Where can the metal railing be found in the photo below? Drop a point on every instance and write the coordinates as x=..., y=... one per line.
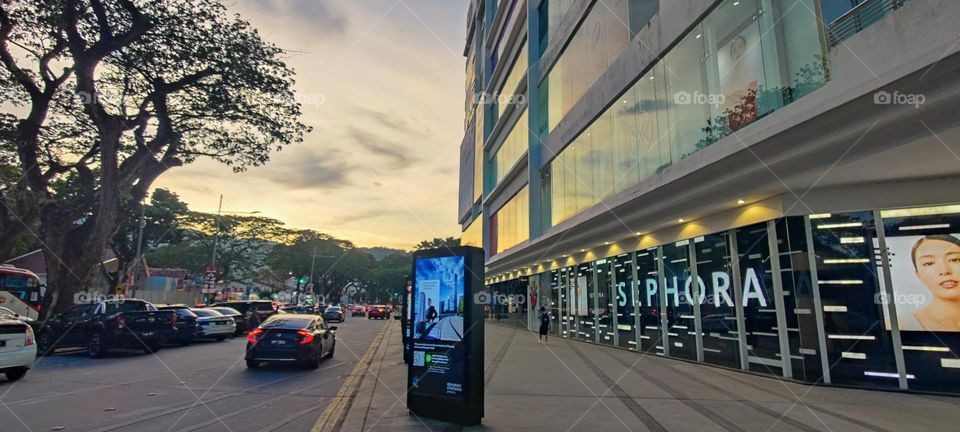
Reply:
x=860, y=17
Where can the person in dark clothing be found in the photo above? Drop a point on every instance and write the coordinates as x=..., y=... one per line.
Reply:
x=253, y=319
x=544, y=324
x=431, y=311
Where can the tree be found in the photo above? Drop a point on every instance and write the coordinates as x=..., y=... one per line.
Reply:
x=390, y=276
x=438, y=243
x=115, y=93
x=161, y=225
x=337, y=262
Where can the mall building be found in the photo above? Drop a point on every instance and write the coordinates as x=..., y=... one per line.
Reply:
x=770, y=186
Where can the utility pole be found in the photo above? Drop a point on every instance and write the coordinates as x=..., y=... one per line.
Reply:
x=138, y=259
x=216, y=233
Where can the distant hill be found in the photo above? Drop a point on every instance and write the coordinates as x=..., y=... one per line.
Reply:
x=379, y=252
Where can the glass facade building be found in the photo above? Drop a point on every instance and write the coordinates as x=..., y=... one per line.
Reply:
x=715, y=191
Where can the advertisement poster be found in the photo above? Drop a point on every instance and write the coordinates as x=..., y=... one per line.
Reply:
x=438, y=302
x=925, y=277
x=740, y=65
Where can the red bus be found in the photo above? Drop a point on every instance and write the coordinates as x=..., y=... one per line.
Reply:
x=20, y=291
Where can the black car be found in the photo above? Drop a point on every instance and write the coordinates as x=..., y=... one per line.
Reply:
x=184, y=326
x=238, y=318
x=264, y=308
x=301, y=309
x=333, y=313
x=291, y=338
x=100, y=327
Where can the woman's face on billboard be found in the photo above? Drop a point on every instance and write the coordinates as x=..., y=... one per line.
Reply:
x=938, y=267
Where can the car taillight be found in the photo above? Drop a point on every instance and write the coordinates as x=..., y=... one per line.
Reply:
x=254, y=335
x=307, y=337
x=29, y=335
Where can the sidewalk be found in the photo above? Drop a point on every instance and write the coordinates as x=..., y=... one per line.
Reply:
x=577, y=386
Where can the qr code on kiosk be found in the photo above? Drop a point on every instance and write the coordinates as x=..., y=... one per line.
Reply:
x=419, y=358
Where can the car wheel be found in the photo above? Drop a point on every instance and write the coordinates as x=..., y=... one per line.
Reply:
x=95, y=347
x=332, y=348
x=186, y=342
x=16, y=374
x=44, y=344
x=315, y=361
x=252, y=364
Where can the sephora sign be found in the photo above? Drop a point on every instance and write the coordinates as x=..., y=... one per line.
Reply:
x=717, y=289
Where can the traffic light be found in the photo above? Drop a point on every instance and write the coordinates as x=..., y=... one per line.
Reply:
x=303, y=280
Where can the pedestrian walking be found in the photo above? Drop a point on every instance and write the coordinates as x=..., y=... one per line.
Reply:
x=544, y=325
x=253, y=319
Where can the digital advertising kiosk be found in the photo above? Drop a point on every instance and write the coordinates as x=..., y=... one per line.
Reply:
x=445, y=371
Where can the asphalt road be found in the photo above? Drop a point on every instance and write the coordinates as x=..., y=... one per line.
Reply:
x=202, y=387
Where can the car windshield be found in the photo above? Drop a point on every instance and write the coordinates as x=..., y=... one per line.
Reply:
x=124, y=306
x=227, y=311
x=286, y=322
x=206, y=313
x=333, y=309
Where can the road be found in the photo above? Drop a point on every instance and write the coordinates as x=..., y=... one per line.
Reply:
x=202, y=387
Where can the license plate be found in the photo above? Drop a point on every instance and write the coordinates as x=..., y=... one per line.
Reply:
x=146, y=334
x=278, y=342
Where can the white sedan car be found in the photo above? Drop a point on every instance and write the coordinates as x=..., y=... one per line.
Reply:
x=18, y=347
x=214, y=325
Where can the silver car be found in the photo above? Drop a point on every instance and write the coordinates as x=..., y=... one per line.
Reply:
x=214, y=325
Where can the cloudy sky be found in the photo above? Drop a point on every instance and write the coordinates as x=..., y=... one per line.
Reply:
x=381, y=83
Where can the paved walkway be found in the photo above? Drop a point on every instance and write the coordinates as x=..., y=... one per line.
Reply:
x=567, y=386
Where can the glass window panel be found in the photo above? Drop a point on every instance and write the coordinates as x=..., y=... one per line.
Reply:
x=844, y=246
x=624, y=138
x=735, y=65
x=583, y=153
x=759, y=309
x=602, y=157
x=680, y=315
x=802, y=334
x=625, y=301
x=570, y=181
x=586, y=308
x=923, y=249
x=793, y=51
x=687, y=95
x=648, y=309
x=718, y=312
x=606, y=328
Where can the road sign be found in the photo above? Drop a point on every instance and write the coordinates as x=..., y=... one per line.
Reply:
x=210, y=281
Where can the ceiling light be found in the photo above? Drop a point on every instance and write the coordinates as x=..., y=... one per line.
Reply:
x=680, y=220
x=583, y=250
x=741, y=202
x=698, y=36
x=606, y=243
x=736, y=3
x=651, y=76
x=639, y=233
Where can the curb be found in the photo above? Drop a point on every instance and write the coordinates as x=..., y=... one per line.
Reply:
x=332, y=417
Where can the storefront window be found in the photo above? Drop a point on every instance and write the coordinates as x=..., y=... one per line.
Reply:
x=798, y=298
x=648, y=310
x=606, y=328
x=677, y=290
x=586, y=307
x=859, y=348
x=625, y=299
x=555, y=303
x=718, y=311
x=923, y=255
x=759, y=310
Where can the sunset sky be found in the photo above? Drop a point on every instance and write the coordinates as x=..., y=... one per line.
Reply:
x=381, y=83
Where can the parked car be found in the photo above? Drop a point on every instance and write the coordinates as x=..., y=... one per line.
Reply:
x=18, y=348
x=264, y=308
x=9, y=312
x=333, y=313
x=239, y=319
x=106, y=325
x=358, y=310
x=378, y=312
x=291, y=338
x=184, y=326
x=214, y=325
